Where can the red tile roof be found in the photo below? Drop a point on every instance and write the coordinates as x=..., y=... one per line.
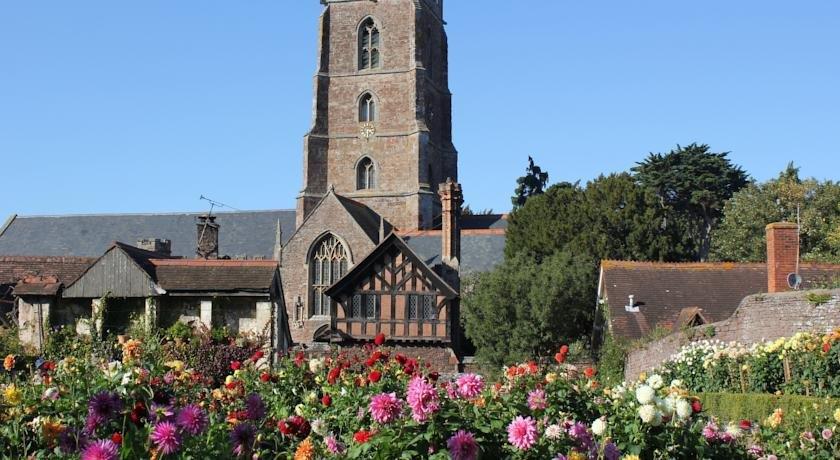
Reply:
x=66, y=269
x=663, y=290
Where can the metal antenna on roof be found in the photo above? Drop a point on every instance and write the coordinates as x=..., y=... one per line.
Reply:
x=218, y=204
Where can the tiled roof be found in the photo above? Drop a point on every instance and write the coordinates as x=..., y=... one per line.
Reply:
x=215, y=275
x=245, y=233
x=66, y=269
x=663, y=291
x=484, y=221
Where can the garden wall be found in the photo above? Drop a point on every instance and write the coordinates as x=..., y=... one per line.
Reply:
x=759, y=318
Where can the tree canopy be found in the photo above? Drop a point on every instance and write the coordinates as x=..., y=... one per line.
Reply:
x=531, y=184
x=536, y=305
x=693, y=183
x=740, y=237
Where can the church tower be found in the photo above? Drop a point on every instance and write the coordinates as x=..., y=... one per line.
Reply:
x=381, y=129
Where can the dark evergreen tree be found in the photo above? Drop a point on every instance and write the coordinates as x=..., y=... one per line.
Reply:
x=693, y=184
x=531, y=184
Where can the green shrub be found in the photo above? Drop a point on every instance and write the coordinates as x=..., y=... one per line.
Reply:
x=180, y=330
x=818, y=298
x=800, y=411
x=611, y=360
x=9, y=342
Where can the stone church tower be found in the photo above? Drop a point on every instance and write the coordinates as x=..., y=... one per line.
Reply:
x=381, y=133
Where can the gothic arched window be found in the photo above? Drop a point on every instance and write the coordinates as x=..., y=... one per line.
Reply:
x=365, y=174
x=368, y=45
x=328, y=264
x=367, y=109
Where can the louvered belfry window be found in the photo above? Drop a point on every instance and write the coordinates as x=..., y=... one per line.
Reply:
x=329, y=263
x=368, y=45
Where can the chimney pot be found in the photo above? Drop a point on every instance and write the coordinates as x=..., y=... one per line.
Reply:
x=782, y=254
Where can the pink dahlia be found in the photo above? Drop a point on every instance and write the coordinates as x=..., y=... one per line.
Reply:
x=422, y=398
x=462, y=446
x=522, y=432
x=470, y=385
x=536, y=400
x=192, y=419
x=101, y=450
x=385, y=408
x=166, y=438
x=335, y=446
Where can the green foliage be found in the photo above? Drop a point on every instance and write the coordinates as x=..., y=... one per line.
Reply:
x=818, y=298
x=64, y=341
x=180, y=330
x=613, y=354
x=740, y=236
x=693, y=184
x=611, y=218
x=733, y=407
x=10, y=342
x=538, y=306
x=531, y=184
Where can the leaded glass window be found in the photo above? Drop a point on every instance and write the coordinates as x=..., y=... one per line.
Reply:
x=413, y=307
x=329, y=263
x=429, y=310
x=368, y=45
x=365, y=175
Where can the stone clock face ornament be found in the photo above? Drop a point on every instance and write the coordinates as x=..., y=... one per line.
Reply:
x=367, y=131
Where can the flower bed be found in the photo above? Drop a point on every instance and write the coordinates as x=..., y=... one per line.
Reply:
x=360, y=403
x=805, y=364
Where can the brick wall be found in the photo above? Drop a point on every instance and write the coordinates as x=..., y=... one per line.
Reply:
x=412, y=146
x=759, y=318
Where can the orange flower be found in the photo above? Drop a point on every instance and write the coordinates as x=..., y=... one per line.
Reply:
x=9, y=363
x=589, y=372
x=305, y=451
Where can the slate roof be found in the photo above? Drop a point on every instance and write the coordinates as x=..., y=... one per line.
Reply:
x=663, y=291
x=242, y=233
x=480, y=251
x=215, y=275
x=484, y=221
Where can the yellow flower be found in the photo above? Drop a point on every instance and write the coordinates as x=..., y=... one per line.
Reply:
x=551, y=377
x=837, y=416
x=630, y=457
x=643, y=376
x=9, y=363
x=775, y=419
x=12, y=395
x=176, y=365
x=305, y=451
x=576, y=456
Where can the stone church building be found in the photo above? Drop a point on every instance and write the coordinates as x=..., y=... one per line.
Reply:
x=377, y=242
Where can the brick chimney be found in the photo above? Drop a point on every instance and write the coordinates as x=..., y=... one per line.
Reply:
x=207, y=237
x=162, y=247
x=451, y=199
x=782, y=255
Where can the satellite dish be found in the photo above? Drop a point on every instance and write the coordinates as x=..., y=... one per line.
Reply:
x=794, y=280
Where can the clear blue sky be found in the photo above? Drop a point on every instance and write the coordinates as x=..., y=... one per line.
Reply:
x=142, y=106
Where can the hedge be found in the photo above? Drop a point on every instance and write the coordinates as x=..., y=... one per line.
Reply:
x=800, y=411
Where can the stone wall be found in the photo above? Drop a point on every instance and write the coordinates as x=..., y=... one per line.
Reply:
x=759, y=318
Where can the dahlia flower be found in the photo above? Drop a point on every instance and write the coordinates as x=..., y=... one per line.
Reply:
x=599, y=426
x=422, y=398
x=522, y=432
x=101, y=450
x=192, y=419
x=645, y=394
x=254, y=407
x=242, y=437
x=334, y=445
x=470, y=385
x=462, y=446
x=103, y=406
x=385, y=408
x=536, y=400
x=166, y=438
